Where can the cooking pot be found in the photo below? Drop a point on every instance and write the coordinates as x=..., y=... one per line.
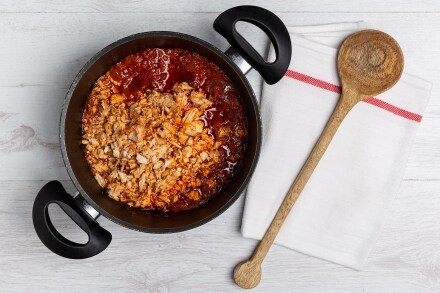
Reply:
x=90, y=201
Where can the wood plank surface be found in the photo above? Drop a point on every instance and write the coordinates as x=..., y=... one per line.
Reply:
x=202, y=6
x=405, y=259
x=37, y=82
x=43, y=44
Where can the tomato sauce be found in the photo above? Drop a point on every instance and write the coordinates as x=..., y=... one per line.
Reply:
x=160, y=69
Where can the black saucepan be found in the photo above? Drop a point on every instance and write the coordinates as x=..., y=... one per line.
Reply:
x=91, y=202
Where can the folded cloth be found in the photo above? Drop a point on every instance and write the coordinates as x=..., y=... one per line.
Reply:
x=340, y=212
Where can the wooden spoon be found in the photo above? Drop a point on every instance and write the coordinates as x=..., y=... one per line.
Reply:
x=369, y=63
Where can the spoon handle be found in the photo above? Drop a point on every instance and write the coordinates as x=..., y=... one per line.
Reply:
x=345, y=104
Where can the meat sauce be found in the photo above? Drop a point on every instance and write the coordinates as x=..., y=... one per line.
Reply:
x=159, y=69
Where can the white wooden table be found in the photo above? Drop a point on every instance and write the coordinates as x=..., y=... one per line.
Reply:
x=43, y=44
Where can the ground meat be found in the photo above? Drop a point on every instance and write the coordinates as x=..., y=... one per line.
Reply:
x=158, y=146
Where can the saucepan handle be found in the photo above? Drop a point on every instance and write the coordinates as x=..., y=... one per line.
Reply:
x=271, y=25
x=54, y=192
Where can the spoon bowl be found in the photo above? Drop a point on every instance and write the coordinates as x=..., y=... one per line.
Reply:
x=369, y=63
x=247, y=274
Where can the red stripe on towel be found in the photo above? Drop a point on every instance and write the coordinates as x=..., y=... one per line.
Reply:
x=393, y=109
x=337, y=89
x=313, y=81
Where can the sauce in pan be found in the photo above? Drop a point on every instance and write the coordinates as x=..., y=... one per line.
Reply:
x=161, y=70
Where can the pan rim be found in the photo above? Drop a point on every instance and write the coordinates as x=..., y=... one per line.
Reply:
x=64, y=151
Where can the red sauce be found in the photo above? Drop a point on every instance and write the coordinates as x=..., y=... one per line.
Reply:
x=160, y=69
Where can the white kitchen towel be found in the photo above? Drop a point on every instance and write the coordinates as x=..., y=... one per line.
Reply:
x=341, y=210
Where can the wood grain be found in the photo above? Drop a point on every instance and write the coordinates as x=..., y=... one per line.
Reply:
x=201, y=6
x=43, y=45
x=370, y=62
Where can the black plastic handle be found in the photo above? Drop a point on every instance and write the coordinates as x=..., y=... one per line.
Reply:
x=271, y=25
x=54, y=192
